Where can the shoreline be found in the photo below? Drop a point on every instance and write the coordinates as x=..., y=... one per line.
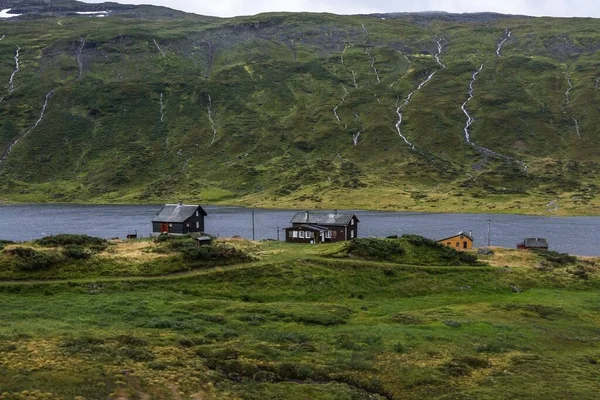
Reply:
x=316, y=207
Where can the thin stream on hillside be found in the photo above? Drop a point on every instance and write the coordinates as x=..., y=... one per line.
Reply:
x=370, y=54
x=78, y=56
x=482, y=150
x=507, y=34
x=11, y=84
x=212, y=121
x=162, y=108
x=41, y=117
x=400, y=107
x=158, y=48
x=568, y=101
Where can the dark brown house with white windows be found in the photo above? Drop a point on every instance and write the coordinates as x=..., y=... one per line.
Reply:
x=312, y=227
x=179, y=219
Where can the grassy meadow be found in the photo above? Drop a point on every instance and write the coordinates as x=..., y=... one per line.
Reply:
x=272, y=320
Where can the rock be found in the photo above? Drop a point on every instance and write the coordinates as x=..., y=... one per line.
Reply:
x=485, y=251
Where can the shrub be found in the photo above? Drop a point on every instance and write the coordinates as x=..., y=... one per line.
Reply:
x=379, y=249
x=399, y=347
x=77, y=252
x=422, y=241
x=131, y=340
x=65, y=239
x=213, y=252
x=452, y=323
x=28, y=259
x=557, y=259
x=85, y=344
x=3, y=243
x=137, y=354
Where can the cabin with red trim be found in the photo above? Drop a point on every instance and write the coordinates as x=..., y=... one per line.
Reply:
x=179, y=219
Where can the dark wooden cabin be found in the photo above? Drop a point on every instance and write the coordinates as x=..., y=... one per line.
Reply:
x=533, y=244
x=179, y=219
x=310, y=227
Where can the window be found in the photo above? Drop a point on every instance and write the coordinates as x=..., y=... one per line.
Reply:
x=352, y=221
x=308, y=235
x=301, y=234
x=457, y=244
x=464, y=245
x=197, y=225
x=197, y=213
x=170, y=225
x=290, y=234
x=328, y=235
x=351, y=234
x=295, y=234
x=449, y=243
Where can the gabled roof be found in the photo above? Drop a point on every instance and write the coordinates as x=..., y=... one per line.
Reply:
x=323, y=219
x=535, y=242
x=461, y=233
x=177, y=212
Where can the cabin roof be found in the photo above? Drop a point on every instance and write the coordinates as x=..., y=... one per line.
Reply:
x=177, y=212
x=461, y=233
x=323, y=219
x=535, y=242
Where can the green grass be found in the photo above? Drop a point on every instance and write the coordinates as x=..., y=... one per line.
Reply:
x=298, y=323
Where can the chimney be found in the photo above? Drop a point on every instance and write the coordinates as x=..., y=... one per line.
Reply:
x=306, y=215
x=471, y=234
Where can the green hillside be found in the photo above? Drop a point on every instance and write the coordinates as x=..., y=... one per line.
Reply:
x=295, y=322
x=147, y=104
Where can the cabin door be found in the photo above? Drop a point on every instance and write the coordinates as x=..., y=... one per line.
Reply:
x=164, y=228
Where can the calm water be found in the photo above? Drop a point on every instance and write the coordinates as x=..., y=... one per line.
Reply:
x=576, y=235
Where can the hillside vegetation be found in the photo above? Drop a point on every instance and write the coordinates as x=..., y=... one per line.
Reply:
x=295, y=322
x=310, y=110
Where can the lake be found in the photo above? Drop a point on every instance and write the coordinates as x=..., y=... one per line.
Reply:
x=575, y=235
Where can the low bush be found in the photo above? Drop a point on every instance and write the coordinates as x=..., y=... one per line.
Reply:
x=87, y=344
x=66, y=239
x=213, y=252
x=77, y=252
x=28, y=259
x=412, y=249
x=3, y=243
x=557, y=259
x=378, y=249
x=422, y=241
x=136, y=354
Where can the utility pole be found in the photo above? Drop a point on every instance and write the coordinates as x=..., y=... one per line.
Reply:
x=252, y=224
x=489, y=231
x=278, y=234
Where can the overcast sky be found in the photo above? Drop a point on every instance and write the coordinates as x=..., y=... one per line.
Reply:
x=228, y=8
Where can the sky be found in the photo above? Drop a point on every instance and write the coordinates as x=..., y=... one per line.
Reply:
x=229, y=8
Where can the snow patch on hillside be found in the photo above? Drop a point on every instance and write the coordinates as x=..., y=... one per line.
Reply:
x=98, y=14
x=5, y=14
